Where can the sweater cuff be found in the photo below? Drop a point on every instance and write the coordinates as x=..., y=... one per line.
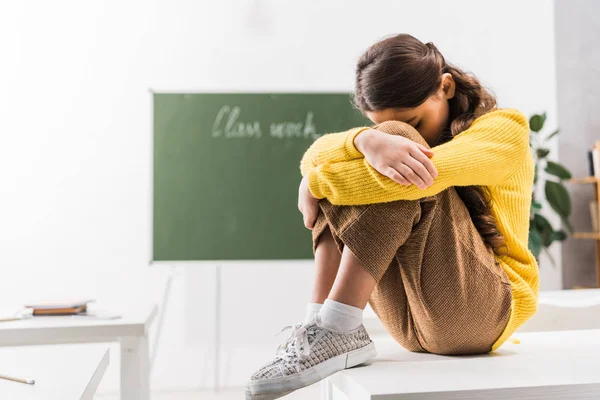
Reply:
x=351, y=150
x=313, y=184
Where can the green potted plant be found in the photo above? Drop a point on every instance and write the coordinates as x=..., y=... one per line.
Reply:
x=541, y=232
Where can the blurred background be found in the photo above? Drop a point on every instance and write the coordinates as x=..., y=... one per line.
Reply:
x=76, y=151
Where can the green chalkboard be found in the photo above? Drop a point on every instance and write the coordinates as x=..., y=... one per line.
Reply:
x=226, y=172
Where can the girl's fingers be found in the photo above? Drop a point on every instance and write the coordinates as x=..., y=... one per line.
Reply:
x=310, y=215
x=411, y=176
x=420, y=170
x=305, y=218
x=425, y=150
x=308, y=221
x=426, y=162
x=396, y=176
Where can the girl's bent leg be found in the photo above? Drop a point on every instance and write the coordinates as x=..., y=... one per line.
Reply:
x=327, y=263
x=353, y=284
x=313, y=351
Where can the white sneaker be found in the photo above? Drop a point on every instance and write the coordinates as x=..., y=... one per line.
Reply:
x=310, y=354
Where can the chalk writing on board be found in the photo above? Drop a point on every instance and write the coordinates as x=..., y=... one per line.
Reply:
x=228, y=125
x=228, y=116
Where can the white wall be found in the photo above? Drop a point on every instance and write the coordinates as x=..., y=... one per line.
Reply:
x=75, y=156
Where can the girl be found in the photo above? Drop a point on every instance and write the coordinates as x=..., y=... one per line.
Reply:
x=425, y=216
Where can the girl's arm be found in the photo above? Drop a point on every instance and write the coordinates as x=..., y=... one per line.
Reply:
x=332, y=147
x=486, y=154
x=412, y=158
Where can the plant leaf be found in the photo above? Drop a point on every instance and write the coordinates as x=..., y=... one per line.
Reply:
x=567, y=224
x=542, y=152
x=559, y=235
x=544, y=228
x=550, y=136
x=535, y=242
x=536, y=205
x=558, y=198
x=558, y=170
x=536, y=122
x=535, y=173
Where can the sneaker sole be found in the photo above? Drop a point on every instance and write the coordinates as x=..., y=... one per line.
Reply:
x=273, y=396
x=268, y=388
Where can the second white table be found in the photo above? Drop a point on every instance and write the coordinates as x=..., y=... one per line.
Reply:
x=70, y=372
x=131, y=331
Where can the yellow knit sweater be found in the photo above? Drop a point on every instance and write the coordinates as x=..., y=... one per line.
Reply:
x=493, y=152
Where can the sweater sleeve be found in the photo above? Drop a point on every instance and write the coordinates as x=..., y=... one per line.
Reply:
x=332, y=147
x=486, y=154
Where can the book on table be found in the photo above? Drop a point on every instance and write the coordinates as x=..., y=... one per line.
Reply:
x=61, y=307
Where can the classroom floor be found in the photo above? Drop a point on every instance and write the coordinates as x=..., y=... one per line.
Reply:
x=311, y=392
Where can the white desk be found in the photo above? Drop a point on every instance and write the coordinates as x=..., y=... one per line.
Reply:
x=61, y=372
x=131, y=330
x=546, y=365
x=558, y=310
x=565, y=310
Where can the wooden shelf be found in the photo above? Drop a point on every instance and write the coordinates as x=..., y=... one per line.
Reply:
x=595, y=181
x=587, y=179
x=587, y=235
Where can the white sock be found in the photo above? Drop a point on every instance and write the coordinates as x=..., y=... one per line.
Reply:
x=312, y=309
x=340, y=317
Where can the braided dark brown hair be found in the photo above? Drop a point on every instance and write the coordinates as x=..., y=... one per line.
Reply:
x=402, y=72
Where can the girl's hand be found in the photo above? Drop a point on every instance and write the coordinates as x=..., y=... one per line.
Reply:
x=397, y=157
x=307, y=204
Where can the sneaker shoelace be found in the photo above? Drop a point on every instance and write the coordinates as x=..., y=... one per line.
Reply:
x=296, y=346
x=293, y=329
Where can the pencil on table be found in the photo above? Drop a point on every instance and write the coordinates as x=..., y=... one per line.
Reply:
x=10, y=378
x=6, y=319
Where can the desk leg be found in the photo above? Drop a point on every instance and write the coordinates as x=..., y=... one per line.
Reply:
x=332, y=392
x=135, y=368
x=326, y=389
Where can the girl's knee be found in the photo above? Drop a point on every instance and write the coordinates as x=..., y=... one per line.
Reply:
x=399, y=128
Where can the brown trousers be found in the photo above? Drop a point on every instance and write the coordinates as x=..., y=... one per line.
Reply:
x=439, y=288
